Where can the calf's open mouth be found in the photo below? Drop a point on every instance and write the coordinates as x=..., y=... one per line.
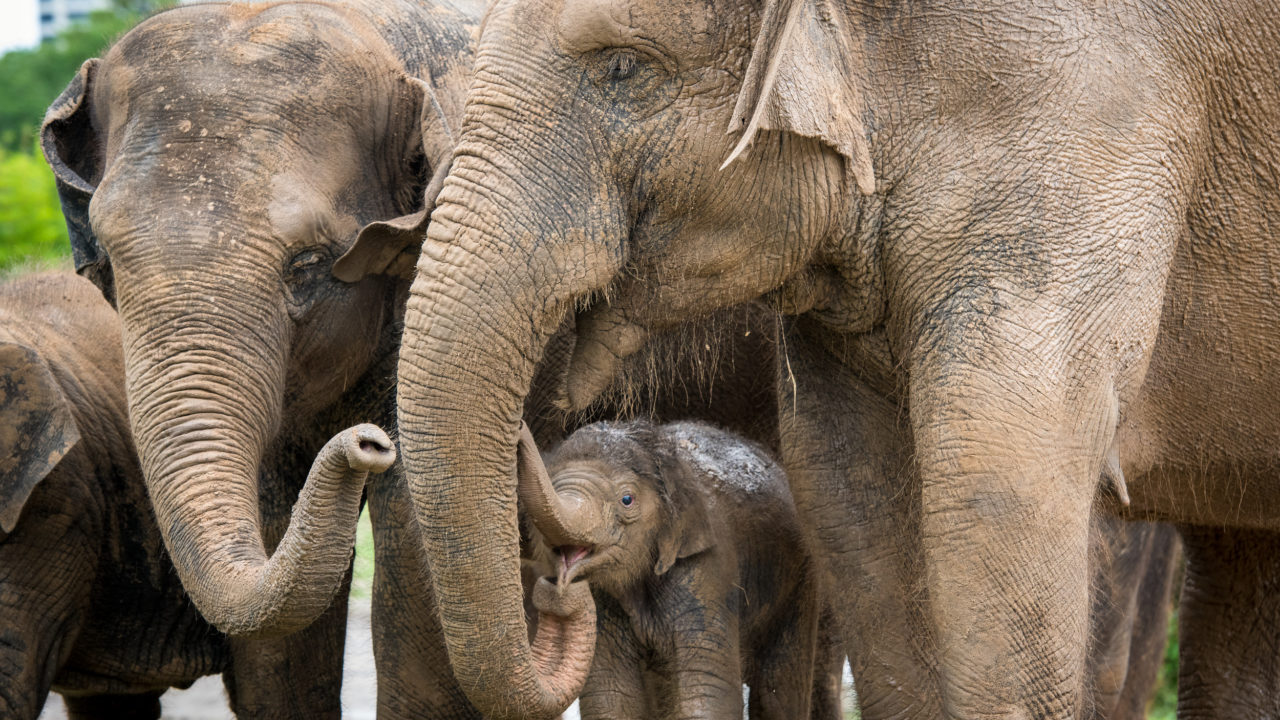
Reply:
x=571, y=559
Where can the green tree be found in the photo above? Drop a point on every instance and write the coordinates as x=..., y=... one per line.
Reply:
x=31, y=79
x=31, y=226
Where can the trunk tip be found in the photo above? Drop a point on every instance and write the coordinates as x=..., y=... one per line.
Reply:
x=368, y=448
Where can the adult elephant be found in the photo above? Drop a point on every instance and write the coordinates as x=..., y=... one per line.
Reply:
x=216, y=167
x=1028, y=253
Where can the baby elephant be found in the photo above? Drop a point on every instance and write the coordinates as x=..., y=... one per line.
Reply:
x=690, y=541
x=90, y=604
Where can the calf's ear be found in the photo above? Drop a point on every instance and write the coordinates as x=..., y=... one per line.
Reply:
x=74, y=151
x=803, y=78
x=688, y=533
x=36, y=428
x=390, y=247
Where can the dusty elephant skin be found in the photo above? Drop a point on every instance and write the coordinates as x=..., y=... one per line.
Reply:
x=246, y=182
x=691, y=545
x=91, y=604
x=1027, y=253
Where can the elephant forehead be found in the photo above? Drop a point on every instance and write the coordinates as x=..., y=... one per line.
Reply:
x=592, y=24
x=583, y=472
x=586, y=25
x=303, y=211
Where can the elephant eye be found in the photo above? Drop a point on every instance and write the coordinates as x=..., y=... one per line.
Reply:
x=627, y=499
x=622, y=64
x=303, y=263
x=306, y=274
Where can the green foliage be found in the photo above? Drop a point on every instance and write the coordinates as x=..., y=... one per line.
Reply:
x=31, y=79
x=31, y=226
x=1165, y=704
x=362, y=573
x=32, y=231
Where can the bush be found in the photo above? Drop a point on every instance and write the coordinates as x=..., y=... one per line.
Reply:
x=32, y=230
x=31, y=79
x=1164, y=706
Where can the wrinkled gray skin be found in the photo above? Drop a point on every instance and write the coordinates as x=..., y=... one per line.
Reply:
x=1028, y=252
x=213, y=167
x=691, y=544
x=92, y=606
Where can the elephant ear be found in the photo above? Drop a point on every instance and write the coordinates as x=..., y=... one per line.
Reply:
x=36, y=428
x=687, y=532
x=74, y=151
x=803, y=78
x=390, y=247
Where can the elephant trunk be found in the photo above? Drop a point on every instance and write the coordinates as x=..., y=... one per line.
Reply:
x=205, y=380
x=560, y=520
x=491, y=290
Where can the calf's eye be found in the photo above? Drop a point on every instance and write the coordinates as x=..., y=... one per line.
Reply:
x=627, y=499
x=622, y=65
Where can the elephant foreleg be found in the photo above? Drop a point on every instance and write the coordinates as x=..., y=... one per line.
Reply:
x=828, y=671
x=615, y=687
x=46, y=578
x=1009, y=462
x=1133, y=575
x=706, y=668
x=295, y=677
x=784, y=675
x=1229, y=622
x=848, y=462
x=414, y=676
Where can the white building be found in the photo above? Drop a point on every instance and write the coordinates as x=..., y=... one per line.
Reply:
x=56, y=15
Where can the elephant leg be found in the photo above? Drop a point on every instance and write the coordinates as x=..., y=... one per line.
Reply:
x=414, y=676
x=143, y=706
x=294, y=677
x=848, y=462
x=615, y=686
x=47, y=568
x=1009, y=459
x=784, y=672
x=704, y=671
x=1229, y=625
x=1151, y=600
x=1132, y=574
x=828, y=671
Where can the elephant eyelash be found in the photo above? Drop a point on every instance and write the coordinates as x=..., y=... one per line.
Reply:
x=622, y=65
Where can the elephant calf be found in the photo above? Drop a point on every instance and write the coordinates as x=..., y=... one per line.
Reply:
x=90, y=602
x=689, y=538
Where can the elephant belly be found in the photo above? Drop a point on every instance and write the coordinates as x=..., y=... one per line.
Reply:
x=1201, y=442
x=160, y=642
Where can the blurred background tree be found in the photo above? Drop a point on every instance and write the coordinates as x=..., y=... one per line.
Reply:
x=31, y=225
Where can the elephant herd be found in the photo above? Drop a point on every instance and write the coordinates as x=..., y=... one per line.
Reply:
x=997, y=286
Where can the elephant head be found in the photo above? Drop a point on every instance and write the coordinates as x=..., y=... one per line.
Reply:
x=615, y=506
x=241, y=182
x=634, y=163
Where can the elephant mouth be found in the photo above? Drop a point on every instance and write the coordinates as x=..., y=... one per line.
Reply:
x=572, y=558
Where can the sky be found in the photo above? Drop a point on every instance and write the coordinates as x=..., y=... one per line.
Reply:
x=18, y=24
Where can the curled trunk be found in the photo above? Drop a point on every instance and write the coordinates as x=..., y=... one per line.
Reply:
x=205, y=386
x=483, y=307
x=559, y=520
